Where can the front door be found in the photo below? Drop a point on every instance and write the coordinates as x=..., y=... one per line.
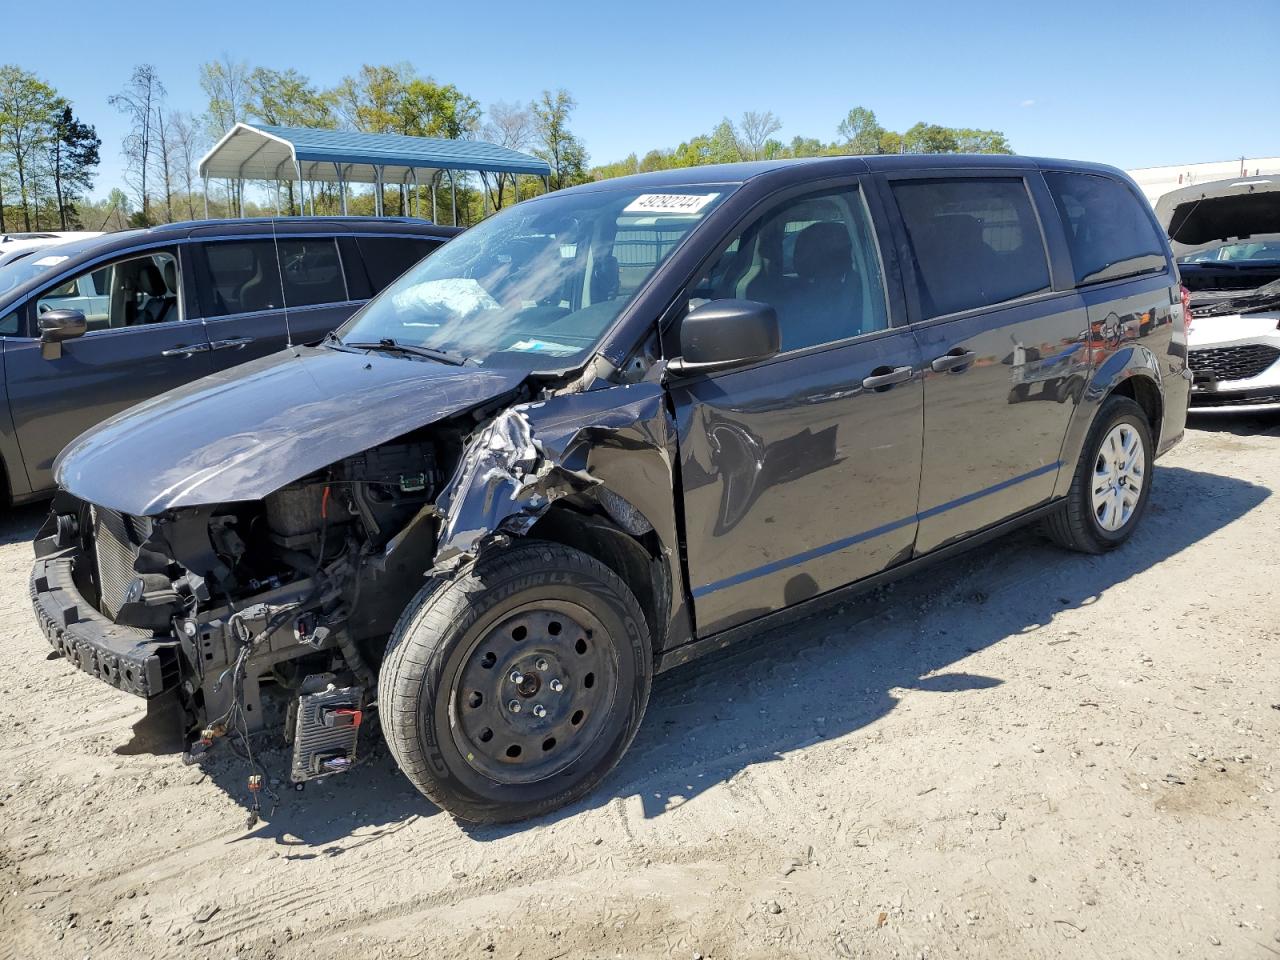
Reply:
x=1006, y=354
x=139, y=343
x=260, y=295
x=800, y=473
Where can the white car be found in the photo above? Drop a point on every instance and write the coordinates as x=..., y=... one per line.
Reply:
x=18, y=246
x=1226, y=236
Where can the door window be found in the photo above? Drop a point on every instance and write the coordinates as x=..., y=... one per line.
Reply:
x=1108, y=231
x=976, y=242
x=9, y=324
x=131, y=292
x=385, y=258
x=814, y=260
x=244, y=277
x=312, y=271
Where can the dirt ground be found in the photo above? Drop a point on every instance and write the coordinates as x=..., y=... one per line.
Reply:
x=1022, y=753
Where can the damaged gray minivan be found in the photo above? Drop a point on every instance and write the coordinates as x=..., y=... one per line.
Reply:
x=606, y=431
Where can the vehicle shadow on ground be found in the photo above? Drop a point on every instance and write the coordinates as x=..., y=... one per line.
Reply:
x=1240, y=424
x=822, y=678
x=21, y=523
x=836, y=672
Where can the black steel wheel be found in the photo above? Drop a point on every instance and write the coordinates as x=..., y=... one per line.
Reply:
x=515, y=687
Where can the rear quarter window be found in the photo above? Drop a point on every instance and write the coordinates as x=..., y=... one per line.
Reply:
x=385, y=258
x=976, y=241
x=1109, y=233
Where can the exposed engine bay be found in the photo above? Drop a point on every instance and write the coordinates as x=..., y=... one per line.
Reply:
x=300, y=588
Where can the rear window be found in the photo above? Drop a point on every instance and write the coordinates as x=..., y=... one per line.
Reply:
x=312, y=272
x=1110, y=234
x=976, y=241
x=244, y=276
x=385, y=258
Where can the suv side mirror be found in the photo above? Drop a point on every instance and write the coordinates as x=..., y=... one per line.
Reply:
x=726, y=333
x=56, y=326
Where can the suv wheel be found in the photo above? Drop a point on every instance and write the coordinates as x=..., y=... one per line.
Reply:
x=1112, y=482
x=514, y=688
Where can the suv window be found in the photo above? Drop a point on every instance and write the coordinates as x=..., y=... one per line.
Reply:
x=386, y=258
x=130, y=292
x=1108, y=231
x=813, y=259
x=244, y=277
x=976, y=241
x=312, y=271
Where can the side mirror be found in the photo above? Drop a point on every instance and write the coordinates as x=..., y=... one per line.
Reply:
x=56, y=326
x=726, y=333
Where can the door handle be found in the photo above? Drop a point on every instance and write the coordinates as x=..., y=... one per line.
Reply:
x=234, y=343
x=878, y=381
x=185, y=351
x=953, y=360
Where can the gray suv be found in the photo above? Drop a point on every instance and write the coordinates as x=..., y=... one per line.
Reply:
x=91, y=327
x=609, y=430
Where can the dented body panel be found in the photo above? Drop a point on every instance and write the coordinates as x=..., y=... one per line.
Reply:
x=244, y=433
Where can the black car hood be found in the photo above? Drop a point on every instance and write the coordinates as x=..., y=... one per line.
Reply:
x=240, y=434
x=1200, y=216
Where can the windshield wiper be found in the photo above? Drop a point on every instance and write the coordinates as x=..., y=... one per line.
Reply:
x=389, y=345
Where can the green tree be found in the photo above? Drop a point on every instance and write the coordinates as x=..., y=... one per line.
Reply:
x=930, y=138
x=556, y=144
x=981, y=141
x=73, y=155
x=860, y=131
x=287, y=98
x=27, y=107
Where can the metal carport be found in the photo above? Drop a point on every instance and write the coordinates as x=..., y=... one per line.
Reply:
x=263, y=152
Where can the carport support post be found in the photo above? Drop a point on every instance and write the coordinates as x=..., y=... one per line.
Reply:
x=205, y=178
x=302, y=187
x=342, y=187
x=435, y=217
x=377, y=185
x=453, y=192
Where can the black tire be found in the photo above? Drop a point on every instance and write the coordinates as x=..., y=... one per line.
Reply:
x=460, y=628
x=1076, y=525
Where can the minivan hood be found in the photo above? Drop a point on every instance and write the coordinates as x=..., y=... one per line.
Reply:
x=242, y=433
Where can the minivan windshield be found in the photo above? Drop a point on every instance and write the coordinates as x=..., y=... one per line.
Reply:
x=536, y=285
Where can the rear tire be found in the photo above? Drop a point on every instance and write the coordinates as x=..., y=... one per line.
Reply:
x=1102, y=507
x=514, y=688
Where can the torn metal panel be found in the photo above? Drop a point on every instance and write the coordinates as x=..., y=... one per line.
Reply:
x=615, y=445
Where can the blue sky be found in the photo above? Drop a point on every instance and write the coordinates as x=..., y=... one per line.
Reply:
x=1128, y=83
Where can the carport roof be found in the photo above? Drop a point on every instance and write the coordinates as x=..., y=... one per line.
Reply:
x=264, y=152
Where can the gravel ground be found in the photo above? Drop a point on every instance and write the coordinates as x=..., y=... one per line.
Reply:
x=1023, y=753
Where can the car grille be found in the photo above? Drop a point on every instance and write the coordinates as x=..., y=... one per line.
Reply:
x=116, y=539
x=1234, y=363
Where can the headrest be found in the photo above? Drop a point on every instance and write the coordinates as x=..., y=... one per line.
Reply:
x=823, y=251
x=148, y=280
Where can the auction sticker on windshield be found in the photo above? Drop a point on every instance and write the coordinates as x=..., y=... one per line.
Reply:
x=669, y=202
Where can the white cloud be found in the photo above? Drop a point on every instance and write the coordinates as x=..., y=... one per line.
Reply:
x=1027, y=103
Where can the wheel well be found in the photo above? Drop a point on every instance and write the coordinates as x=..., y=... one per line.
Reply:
x=637, y=560
x=1142, y=391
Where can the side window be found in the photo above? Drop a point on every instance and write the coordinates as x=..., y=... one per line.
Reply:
x=814, y=260
x=131, y=292
x=312, y=271
x=385, y=258
x=1108, y=231
x=9, y=325
x=976, y=242
x=244, y=277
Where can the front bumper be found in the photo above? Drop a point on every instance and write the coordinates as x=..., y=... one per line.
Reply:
x=1212, y=339
x=121, y=656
